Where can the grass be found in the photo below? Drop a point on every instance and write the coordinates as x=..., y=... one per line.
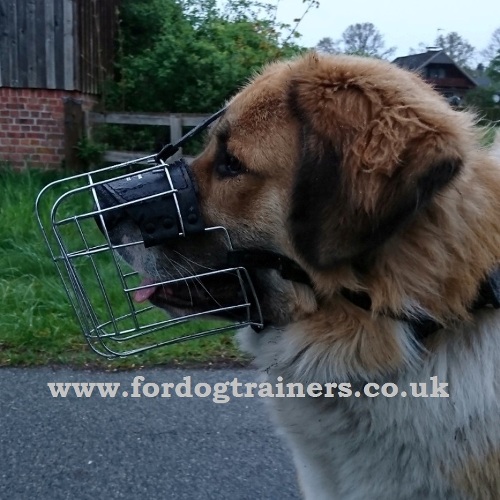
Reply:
x=489, y=134
x=37, y=323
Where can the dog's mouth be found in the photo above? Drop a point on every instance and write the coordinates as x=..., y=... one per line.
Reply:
x=222, y=294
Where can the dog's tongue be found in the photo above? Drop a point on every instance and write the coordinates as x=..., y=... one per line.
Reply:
x=143, y=294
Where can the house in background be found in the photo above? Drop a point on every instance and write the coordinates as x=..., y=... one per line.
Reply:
x=438, y=69
x=54, y=56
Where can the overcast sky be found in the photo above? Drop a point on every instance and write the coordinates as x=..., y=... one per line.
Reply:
x=404, y=24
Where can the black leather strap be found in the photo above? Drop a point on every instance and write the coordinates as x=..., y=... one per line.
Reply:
x=170, y=149
x=422, y=327
x=489, y=291
x=264, y=259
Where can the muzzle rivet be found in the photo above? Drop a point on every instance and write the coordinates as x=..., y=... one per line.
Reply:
x=150, y=228
x=192, y=218
x=168, y=223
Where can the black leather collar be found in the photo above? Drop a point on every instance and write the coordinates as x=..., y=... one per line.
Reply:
x=488, y=297
x=264, y=259
x=488, y=292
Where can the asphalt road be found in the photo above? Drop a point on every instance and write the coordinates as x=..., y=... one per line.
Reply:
x=136, y=448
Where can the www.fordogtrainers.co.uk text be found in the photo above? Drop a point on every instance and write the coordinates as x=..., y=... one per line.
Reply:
x=223, y=392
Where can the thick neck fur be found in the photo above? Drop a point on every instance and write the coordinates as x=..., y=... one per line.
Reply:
x=405, y=448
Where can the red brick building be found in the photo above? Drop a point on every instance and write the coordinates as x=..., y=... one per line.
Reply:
x=54, y=54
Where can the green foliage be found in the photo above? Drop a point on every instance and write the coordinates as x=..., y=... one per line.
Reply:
x=190, y=55
x=90, y=152
x=485, y=100
x=493, y=70
x=481, y=101
x=182, y=56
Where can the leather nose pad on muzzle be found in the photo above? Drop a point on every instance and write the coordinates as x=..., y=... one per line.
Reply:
x=162, y=203
x=106, y=221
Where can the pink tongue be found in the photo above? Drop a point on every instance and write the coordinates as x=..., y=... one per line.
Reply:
x=143, y=294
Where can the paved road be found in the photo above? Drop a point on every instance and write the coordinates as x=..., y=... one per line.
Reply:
x=136, y=448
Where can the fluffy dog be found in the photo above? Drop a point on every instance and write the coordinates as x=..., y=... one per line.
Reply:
x=367, y=179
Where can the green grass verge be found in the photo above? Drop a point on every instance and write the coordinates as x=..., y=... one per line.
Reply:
x=489, y=134
x=37, y=323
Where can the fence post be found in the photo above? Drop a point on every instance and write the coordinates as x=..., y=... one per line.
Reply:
x=74, y=123
x=176, y=132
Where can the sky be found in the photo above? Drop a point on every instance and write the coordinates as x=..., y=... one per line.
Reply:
x=403, y=24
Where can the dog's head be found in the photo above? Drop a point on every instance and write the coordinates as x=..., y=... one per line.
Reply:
x=324, y=160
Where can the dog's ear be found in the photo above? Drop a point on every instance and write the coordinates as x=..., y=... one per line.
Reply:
x=369, y=164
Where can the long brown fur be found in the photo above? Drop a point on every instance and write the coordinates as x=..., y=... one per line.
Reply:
x=439, y=258
x=363, y=175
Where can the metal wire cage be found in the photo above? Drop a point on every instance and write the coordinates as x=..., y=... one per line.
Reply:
x=100, y=284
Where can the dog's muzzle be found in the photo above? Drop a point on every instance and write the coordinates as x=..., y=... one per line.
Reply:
x=82, y=218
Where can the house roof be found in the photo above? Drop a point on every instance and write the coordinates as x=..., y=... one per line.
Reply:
x=416, y=62
x=419, y=61
x=483, y=80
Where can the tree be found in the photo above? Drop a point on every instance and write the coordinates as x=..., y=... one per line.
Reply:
x=328, y=46
x=493, y=70
x=490, y=52
x=459, y=49
x=190, y=56
x=362, y=39
x=484, y=100
x=481, y=100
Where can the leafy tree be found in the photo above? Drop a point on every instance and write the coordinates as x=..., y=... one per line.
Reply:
x=481, y=101
x=484, y=100
x=361, y=39
x=493, y=70
x=191, y=55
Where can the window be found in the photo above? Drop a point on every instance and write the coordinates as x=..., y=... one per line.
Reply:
x=435, y=72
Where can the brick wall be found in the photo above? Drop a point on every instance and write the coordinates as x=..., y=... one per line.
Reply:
x=32, y=125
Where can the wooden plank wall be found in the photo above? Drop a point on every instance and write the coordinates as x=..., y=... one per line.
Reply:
x=57, y=44
x=95, y=41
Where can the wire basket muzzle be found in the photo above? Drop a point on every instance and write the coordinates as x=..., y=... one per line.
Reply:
x=161, y=201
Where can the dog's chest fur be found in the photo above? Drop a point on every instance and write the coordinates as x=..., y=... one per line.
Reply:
x=398, y=448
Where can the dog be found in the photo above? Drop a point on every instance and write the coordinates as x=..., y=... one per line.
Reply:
x=363, y=177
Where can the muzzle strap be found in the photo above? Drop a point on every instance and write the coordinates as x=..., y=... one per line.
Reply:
x=264, y=259
x=170, y=149
x=422, y=327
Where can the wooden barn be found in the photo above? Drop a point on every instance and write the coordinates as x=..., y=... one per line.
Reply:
x=54, y=56
x=439, y=69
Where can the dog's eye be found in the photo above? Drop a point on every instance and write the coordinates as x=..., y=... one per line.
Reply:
x=230, y=167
